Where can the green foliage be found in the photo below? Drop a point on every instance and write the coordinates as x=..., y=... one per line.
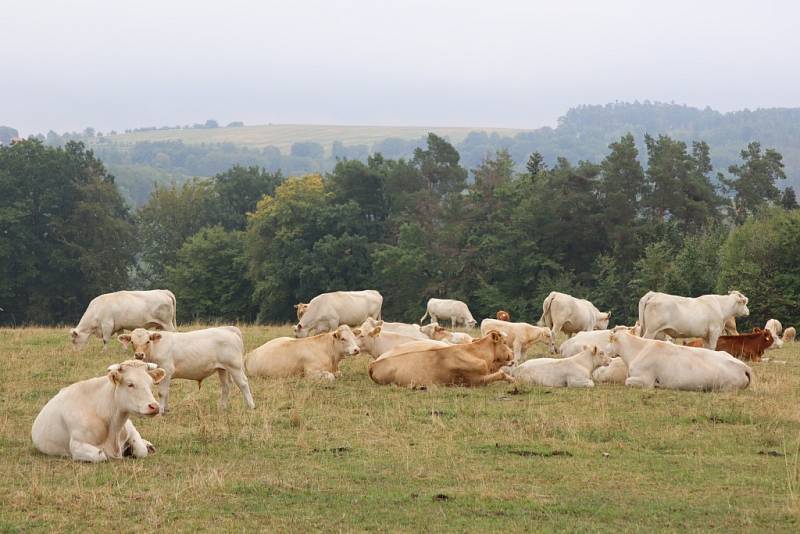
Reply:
x=753, y=182
x=237, y=191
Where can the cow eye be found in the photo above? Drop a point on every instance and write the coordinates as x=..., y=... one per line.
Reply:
x=131, y=385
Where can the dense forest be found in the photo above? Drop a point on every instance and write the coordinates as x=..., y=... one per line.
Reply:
x=583, y=133
x=249, y=243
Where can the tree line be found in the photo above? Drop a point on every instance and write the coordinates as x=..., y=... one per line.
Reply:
x=249, y=243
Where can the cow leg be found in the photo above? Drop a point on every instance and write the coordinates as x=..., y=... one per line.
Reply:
x=140, y=447
x=553, y=333
x=163, y=393
x=640, y=381
x=224, y=386
x=480, y=380
x=320, y=375
x=106, y=331
x=711, y=341
x=85, y=452
x=244, y=386
x=580, y=383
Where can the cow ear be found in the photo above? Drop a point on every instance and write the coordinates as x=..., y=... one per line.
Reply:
x=157, y=375
x=439, y=328
x=594, y=350
x=155, y=336
x=356, y=331
x=296, y=306
x=114, y=373
x=337, y=335
x=73, y=333
x=124, y=339
x=375, y=331
x=496, y=337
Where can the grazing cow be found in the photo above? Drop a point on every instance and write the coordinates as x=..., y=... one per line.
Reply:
x=565, y=313
x=377, y=341
x=599, y=338
x=326, y=312
x=573, y=372
x=471, y=364
x=193, y=356
x=454, y=310
x=747, y=346
x=300, y=308
x=440, y=333
x=616, y=372
x=90, y=420
x=652, y=363
x=729, y=328
x=696, y=343
x=518, y=336
x=409, y=330
x=661, y=314
x=503, y=315
x=110, y=313
x=775, y=326
x=789, y=335
x=315, y=357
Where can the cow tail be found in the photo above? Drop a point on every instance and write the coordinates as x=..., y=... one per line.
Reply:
x=749, y=378
x=423, y=317
x=174, y=310
x=642, y=305
x=544, y=320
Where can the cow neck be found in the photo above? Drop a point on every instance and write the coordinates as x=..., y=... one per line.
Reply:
x=335, y=358
x=630, y=346
x=482, y=342
x=114, y=418
x=584, y=359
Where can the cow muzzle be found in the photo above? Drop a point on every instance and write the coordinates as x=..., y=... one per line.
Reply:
x=138, y=355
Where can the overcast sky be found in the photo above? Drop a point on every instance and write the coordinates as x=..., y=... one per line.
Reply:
x=116, y=64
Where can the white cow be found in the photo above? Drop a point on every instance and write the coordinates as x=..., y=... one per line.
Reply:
x=661, y=314
x=518, y=336
x=653, y=363
x=775, y=326
x=314, y=357
x=565, y=313
x=454, y=310
x=90, y=420
x=194, y=356
x=616, y=372
x=405, y=329
x=377, y=341
x=125, y=310
x=573, y=372
x=439, y=333
x=327, y=311
x=575, y=344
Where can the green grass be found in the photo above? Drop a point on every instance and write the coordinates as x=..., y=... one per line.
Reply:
x=351, y=455
x=284, y=135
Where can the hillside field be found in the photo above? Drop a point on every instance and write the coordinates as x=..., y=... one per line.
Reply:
x=283, y=136
x=354, y=456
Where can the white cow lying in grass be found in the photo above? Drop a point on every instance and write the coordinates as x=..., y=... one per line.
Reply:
x=439, y=333
x=314, y=357
x=518, y=336
x=376, y=341
x=405, y=329
x=616, y=372
x=653, y=363
x=90, y=420
x=194, y=356
x=572, y=372
x=575, y=344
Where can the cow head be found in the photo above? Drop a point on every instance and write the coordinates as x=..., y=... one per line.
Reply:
x=599, y=358
x=471, y=323
x=365, y=338
x=434, y=331
x=142, y=341
x=602, y=321
x=503, y=315
x=79, y=339
x=768, y=338
x=740, y=304
x=301, y=309
x=345, y=341
x=300, y=331
x=503, y=355
x=133, y=380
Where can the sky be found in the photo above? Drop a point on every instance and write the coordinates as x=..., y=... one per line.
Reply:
x=119, y=64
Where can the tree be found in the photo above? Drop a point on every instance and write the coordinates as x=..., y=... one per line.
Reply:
x=237, y=191
x=789, y=199
x=352, y=180
x=535, y=164
x=753, y=182
x=438, y=165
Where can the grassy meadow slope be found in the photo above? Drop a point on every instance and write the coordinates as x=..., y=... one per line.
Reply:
x=351, y=455
x=283, y=136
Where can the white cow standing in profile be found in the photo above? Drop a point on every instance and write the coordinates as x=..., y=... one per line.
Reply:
x=90, y=420
x=565, y=313
x=326, y=312
x=111, y=313
x=454, y=310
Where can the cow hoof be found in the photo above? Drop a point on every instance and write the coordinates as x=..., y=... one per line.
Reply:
x=151, y=449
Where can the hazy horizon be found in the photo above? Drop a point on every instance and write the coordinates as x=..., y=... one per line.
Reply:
x=508, y=64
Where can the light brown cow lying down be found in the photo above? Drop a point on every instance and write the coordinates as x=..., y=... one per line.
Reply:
x=469, y=364
x=313, y=357
x=439, y=333
x=376, y=342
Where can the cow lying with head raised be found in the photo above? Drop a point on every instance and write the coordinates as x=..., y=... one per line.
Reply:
x=573, y=372
x=90, y=420
x=440, y=333
x=747, y=346
x=405, y=329
x=518, y=336
x=471, y=364
x=616, y=372
x=377, y=342
x=194, y=356
x=652, y=363
x=315, y=357
x=789, y=335
x=775, y=326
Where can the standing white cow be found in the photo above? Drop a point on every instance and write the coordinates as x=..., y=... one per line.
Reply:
x=194, y=356
x=110, y=313
x=327, y=311
x=652, y=363
x=455, y=310
x=518, y=336
x=663, y=315
x=775, y=326
x=90, y=420
x=565, y=313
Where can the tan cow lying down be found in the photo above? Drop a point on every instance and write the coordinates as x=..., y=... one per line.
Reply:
x=573, y=372
x=440, y=333
x=194, y=356
x=377, y=342
x=90, y=420
x=518, y=336
x=408, y=330
x=471, y=364
x=653, y=363
x=110, y=313
x=314, y=357
x=616, y=372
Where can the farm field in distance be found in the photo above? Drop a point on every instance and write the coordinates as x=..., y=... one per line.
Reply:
x=283, y=136
x=351, y=455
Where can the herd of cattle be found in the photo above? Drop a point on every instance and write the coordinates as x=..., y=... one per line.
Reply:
x=90, y=420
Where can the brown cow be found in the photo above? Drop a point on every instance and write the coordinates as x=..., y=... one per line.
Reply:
x=746, y=346
x=503, y=315
x=469, y=364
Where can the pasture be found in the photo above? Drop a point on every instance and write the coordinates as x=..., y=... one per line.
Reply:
x=354, y=456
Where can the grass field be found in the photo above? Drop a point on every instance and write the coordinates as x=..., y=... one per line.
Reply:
x=283, y=135
x=354, y=456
